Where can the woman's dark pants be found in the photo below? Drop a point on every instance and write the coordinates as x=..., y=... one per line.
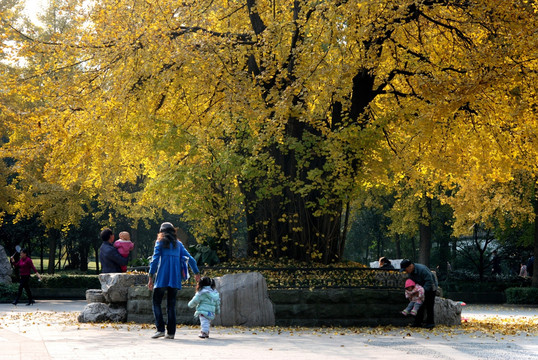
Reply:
x=158, y=295
x=24, y=284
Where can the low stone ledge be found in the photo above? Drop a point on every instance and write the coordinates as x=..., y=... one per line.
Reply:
x=247, y=302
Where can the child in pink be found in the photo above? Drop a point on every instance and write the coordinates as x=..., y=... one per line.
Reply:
x=124, y=246
x=415, y=293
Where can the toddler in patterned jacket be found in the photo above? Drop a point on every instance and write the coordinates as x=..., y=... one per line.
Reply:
x=415, y=293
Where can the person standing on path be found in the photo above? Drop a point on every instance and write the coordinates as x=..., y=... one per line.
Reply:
x=25, y=266
x=423, y=276
x=165, y=276
x=110, y=258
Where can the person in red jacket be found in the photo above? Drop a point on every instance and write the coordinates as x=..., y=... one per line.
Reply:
x=25, y=266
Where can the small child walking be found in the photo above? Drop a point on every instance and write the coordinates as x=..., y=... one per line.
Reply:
x=124, y=246
x=415, y=293
x=207, y=303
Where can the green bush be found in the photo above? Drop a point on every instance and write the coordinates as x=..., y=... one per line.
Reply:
x=461, y=281
x=139, y=262
x=66, y=281
x=522, y=295
x=8, y=292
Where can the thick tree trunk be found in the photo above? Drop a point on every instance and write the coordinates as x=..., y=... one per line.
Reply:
x=96, y=249
x=53, y=237
x=398, y=247
x=425, y=234
x=295, y=223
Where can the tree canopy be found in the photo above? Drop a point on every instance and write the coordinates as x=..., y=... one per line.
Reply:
x=278, y=112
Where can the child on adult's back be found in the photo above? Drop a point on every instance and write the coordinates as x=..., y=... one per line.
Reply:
x=207, y=303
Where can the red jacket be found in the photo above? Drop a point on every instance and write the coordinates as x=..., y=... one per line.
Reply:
x=25, y=266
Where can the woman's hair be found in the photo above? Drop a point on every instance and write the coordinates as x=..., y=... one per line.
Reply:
x=205, y=281
x=166, y=237
x=384, y=260
x=25, y=250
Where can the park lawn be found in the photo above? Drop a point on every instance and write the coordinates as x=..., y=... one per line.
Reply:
x=37, y=263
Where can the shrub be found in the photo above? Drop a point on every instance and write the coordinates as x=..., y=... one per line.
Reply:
x=139, y=262
x=66, y=281
x=466, y=281
x=8, y=292
x=522, y=295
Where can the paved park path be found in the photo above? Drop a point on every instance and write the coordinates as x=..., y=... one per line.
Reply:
x=49, y=330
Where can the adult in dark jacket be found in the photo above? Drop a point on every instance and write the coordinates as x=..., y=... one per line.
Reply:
x=423, y=276
x=110, y=258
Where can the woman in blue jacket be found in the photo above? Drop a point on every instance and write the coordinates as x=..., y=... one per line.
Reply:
x=165, y=276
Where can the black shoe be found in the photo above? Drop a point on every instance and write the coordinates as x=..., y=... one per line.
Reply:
x=15, y=302
x=30, y=302
x=429, y=326
x=416, y=325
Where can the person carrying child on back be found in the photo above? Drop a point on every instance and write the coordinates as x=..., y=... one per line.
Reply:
x=207, y=303
x=124, y=246
x=415, y=293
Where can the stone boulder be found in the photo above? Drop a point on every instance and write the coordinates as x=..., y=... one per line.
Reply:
x=115, y=286
x=244, y=301
x=447, y=312
x=5, y=267
x=95, y=296
x=100, y=312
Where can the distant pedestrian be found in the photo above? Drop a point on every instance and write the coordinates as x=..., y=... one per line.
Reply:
x=165, y=277
x=415, y=293
x=523, y=270
x=423, y=276
x=207, y=303
x=124, y=246
x=110, y=258
x=26, y=266
x=384, y=263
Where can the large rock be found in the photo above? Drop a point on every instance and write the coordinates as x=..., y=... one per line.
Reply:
x=244, y=301
x=5, y=267
x=95, y=296
x=100, y=312
x=115, y=286
x=447, y=312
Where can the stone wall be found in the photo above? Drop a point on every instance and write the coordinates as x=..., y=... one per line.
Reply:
x=139, y=306
x=246, y=301
x=343, y=307
x=333, y=307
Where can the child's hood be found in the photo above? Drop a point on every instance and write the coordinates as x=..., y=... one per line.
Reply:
x=207, y=290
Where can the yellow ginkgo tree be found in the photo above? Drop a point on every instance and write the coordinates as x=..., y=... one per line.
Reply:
x=276, y=111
